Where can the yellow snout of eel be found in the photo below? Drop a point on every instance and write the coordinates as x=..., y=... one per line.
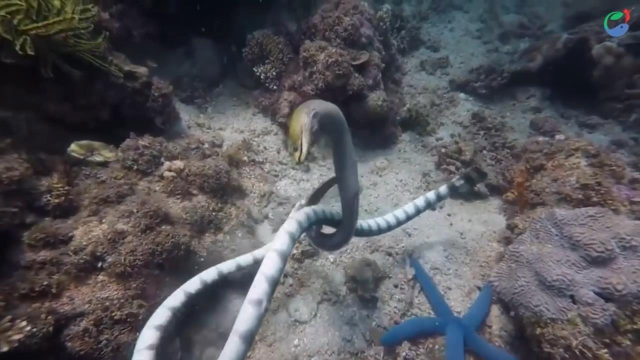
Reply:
x=300, y=133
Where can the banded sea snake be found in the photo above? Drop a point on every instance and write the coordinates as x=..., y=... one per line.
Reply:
x=274, y=258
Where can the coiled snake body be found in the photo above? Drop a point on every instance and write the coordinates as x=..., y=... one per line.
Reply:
x=274, y=255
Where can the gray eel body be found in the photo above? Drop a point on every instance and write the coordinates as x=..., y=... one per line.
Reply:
x=331, y=123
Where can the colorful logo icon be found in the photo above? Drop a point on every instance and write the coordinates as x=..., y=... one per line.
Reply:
x=620, y=29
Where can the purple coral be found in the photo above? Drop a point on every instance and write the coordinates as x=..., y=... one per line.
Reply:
x=582, y=261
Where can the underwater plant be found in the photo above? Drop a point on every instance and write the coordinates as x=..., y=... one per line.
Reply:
x=50, y=29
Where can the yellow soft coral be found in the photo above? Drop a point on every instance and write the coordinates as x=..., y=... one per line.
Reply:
x=50, y=28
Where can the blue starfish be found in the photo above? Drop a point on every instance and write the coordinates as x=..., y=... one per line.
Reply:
x=459, y=331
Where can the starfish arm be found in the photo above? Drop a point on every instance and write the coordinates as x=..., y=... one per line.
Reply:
x=413, y=329
x=484, y=349
x=431, y=292
x=454, y=342
x=480, y=308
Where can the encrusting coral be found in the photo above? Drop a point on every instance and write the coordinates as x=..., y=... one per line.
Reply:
x=51, y=28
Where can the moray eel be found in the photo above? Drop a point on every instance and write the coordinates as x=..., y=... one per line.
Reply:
x=308, y=122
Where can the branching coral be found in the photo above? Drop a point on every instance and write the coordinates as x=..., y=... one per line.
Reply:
x=51, y=28
x=269, y=55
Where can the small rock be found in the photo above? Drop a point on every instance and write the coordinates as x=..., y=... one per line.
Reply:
x=304, y=252
x=217, y=140
x=169, y=175
x=364, y=277
x=382, y=164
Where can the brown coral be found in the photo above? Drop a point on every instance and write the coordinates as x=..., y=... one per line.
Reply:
x=49, y=234
x=144, y=154
x=328, y=69
x=571, y=173
x=268, y=55
x=88, y=266
x=211, y=177
x=346, y=58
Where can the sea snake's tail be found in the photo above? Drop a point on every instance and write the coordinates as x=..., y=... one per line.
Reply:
x=397, y=218
x=151, y=334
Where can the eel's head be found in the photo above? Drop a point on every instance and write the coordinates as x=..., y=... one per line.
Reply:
x=301, y=125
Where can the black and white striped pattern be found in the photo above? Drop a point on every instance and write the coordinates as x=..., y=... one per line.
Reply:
x=275, y=255
x=397, y=218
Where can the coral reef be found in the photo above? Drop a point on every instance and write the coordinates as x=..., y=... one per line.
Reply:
x=583, y=65
x=349, y=54
x=99, y=240
x=572, y=278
